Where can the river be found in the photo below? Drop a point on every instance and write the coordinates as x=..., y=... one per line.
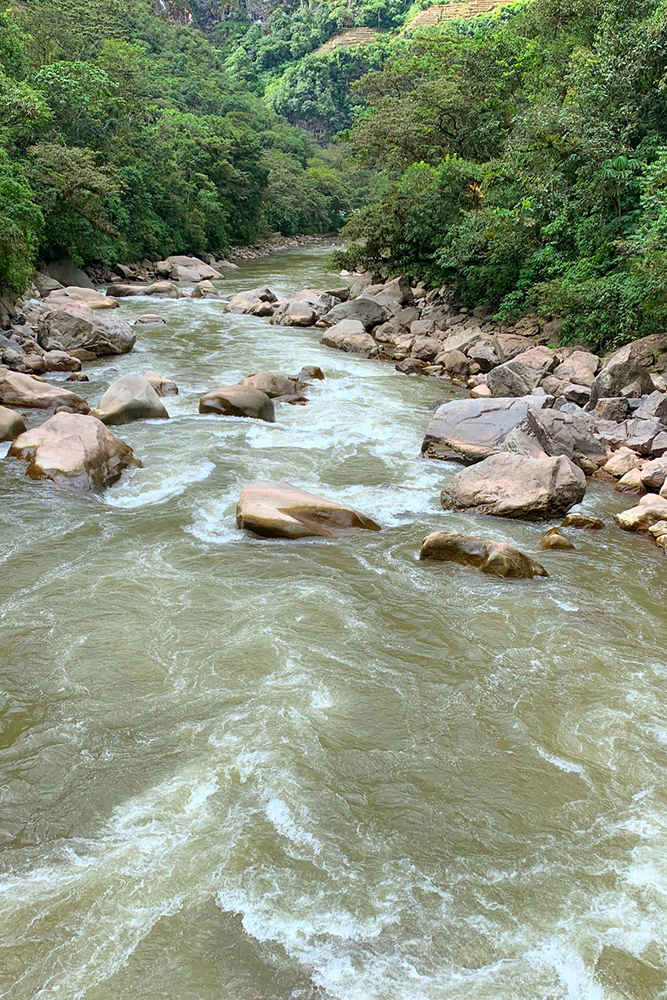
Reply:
x=238, y=769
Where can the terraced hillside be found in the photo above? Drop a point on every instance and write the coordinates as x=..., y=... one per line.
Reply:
x=452, y=12
x=348, y=39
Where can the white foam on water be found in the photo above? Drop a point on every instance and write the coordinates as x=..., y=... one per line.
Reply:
x=147, y=487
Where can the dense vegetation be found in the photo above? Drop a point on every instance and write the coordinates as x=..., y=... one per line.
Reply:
x=124, y=134
x=530, y=161
x=520, y=158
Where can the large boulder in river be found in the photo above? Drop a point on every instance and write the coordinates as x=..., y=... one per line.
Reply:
x=549, y=432
x=510, y=485
x=130, y=397
x=256, y=302
x=179, y=267
x=74, y=326
x=280, y=510
x=88, y=296
x=472, y=429
x=17, y=389
x=523, y=374
x=296, y=312
x=279, y=387
x=74, y=450
x=11, y=424
x=497, y=558
x=349, y=335
x=238, y=401
x=365, y=311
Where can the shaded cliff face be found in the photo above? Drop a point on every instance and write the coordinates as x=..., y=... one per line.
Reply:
x=209, y=13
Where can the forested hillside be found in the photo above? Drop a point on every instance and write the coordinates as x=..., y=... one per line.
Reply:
x=127, y=131
x=530, y=159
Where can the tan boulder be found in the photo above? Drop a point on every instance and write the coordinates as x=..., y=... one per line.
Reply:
x=654, y=474
x=348, y=335
x=310, y=372
x=68, y=326
x=480, y=392
x=511, y=485
x=61, y=361
x=238, y=401
x=584, y=521
x=75, y=451
x=11, y=424
x=643, y=516
x=17, y=389
x=622, y=461
x=278, y=387
x=88, y=296
x=497, y=558
x=204, y=290
x=631, y=482
x=160, y=289
x=163, y=386
x=130, y=397
x=256, y=302
x=552, y=539
x=280, y=510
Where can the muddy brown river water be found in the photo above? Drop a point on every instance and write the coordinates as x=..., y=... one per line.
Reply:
x=236, y=769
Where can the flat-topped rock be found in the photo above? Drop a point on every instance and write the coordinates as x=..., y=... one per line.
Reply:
x=280, y=510
x=75, y=451
x=509, y=485
x=159, y=289
x=88, y=296
x=238, y=401
x=17, y=389
x=470, y=430
x=348, y=335
x=496, y=558
x=130, y=397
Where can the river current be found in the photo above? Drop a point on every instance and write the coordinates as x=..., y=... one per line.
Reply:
x=238, y=769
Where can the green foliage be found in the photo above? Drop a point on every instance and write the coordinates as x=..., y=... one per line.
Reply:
x=124, y=134
x=556, y=116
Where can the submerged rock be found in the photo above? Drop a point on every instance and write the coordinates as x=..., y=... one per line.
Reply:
x=584, y=521
x=130, y=397
x=497, y=558
x=280, y=510
x=75, y=451
x=238, y=401
x=510, y=485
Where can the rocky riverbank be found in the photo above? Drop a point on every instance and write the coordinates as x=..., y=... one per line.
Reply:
x=540, y=420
